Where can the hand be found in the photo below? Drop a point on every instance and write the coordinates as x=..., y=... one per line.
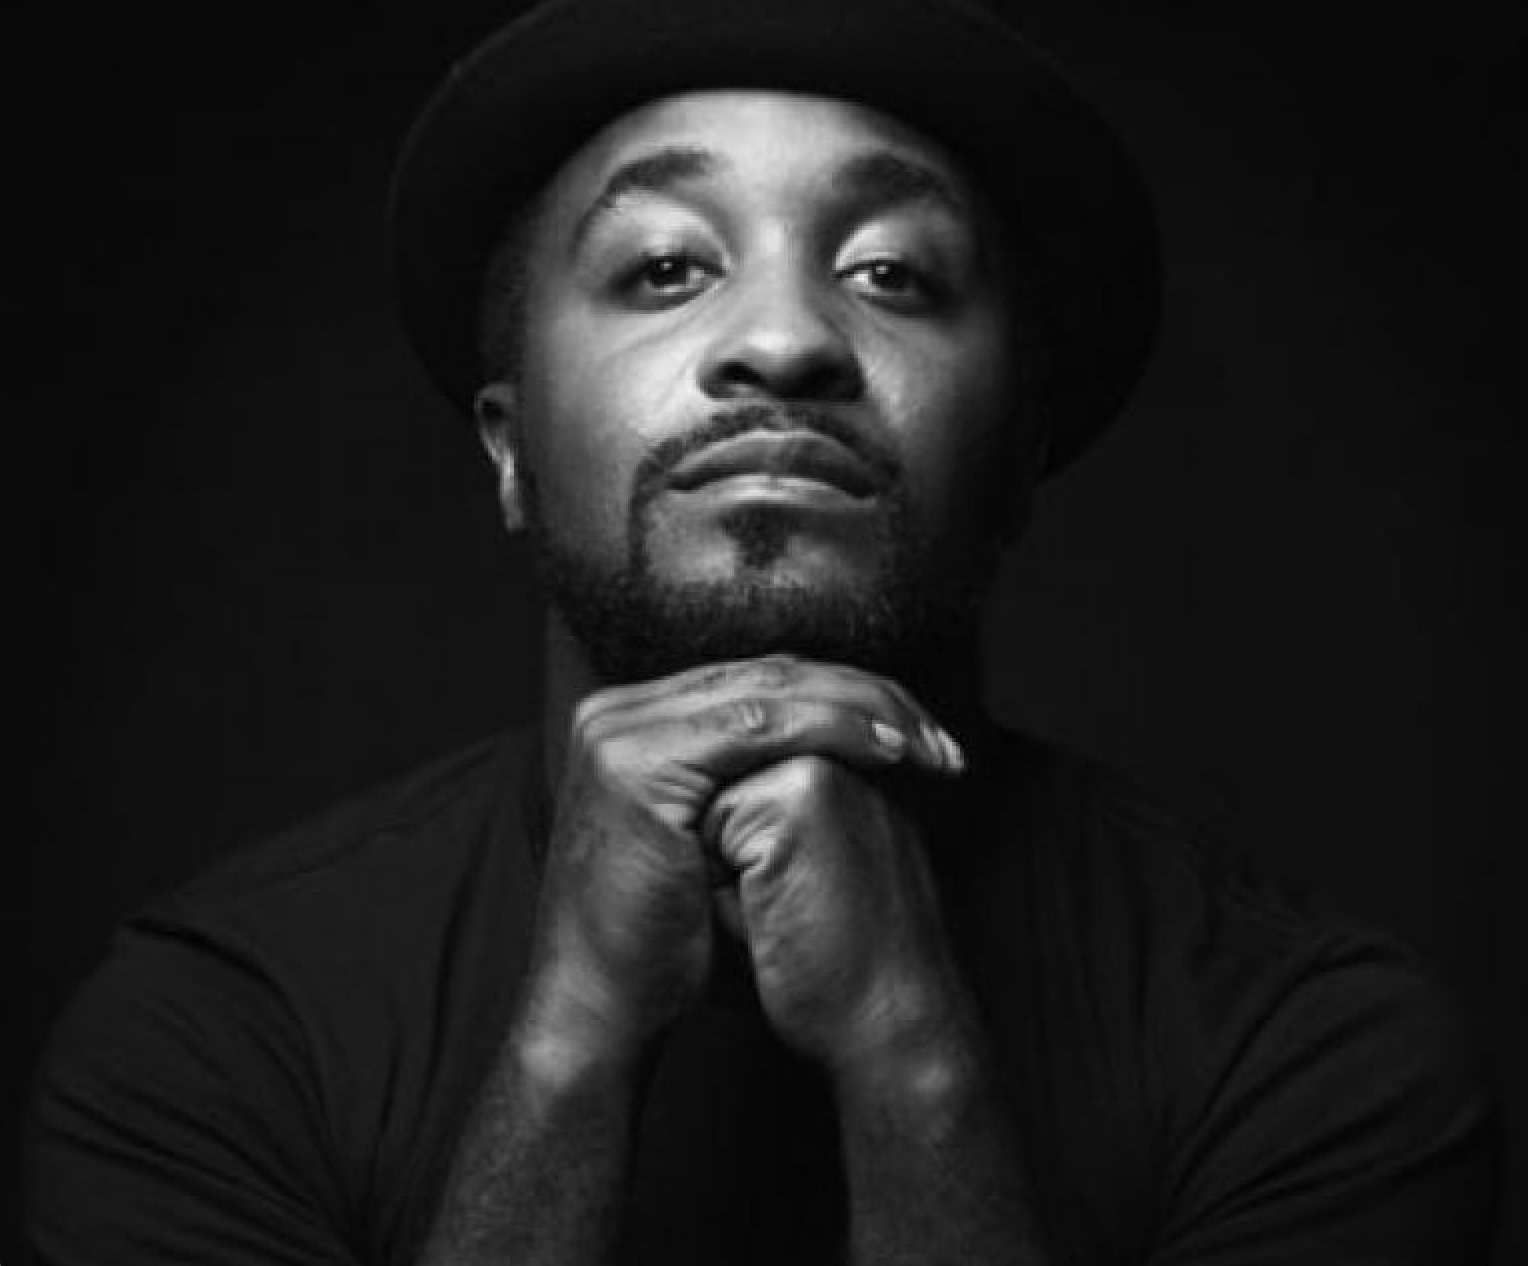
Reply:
x=623, y=939
x=837, y=905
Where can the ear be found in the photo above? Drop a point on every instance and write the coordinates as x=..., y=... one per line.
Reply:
x=495, y=407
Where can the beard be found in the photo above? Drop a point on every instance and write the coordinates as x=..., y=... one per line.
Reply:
x=904, y=616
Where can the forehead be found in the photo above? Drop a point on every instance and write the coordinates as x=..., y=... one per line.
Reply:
x=757, y=140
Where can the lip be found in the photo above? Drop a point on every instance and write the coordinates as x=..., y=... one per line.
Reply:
x=791, y=456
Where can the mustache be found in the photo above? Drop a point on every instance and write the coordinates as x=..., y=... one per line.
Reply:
x=653, y=471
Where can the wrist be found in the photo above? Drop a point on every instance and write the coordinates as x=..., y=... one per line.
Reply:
x=569, y=1032
x=909, y=1011
x=936, y=1068
x=930, y=1058
x=555, y=1065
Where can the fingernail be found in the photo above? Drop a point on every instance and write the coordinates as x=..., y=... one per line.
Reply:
x=933, y=744
x=888, y=736
x=955, y=757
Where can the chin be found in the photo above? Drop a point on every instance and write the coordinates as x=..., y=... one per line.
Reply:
x=640, y=633
x=796, y=578
x=769, y=546
x=634, y=626
x=887, y=604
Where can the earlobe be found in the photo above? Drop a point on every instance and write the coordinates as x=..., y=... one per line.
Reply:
x=495, y=409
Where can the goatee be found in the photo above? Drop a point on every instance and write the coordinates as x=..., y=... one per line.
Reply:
x=900, y=618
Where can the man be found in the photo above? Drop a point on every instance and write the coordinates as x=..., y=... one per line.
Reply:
x=767, y=947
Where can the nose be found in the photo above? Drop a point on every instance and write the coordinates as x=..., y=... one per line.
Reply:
x=779, y=341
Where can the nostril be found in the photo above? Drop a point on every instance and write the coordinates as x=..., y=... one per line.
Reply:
x=831, y=380
x=737, y=373
x=818, y=375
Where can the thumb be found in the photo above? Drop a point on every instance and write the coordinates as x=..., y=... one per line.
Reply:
x=743, y=824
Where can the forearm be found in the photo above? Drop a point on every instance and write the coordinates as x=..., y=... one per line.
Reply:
x=539, y=1171
x=934, y=1173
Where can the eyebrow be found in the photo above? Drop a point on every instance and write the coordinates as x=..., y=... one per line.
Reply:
x=884, y=180
x=878, y=178
x=656, y=172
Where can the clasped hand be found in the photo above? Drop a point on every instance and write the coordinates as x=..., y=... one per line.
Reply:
x=753, y=790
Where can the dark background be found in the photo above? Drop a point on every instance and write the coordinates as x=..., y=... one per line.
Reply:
x=258, y=563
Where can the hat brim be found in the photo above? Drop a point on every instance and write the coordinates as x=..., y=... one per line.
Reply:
x=523, y=101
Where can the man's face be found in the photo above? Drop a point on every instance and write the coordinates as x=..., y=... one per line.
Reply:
x=767, y=397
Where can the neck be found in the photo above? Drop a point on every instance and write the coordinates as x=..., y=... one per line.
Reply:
x=951, y=691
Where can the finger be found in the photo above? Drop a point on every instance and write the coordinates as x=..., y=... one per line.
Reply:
x=728, y=740
x=680, y=762
x=857, y=686
x=765, y=671
x=784, y=677
x=746, y=825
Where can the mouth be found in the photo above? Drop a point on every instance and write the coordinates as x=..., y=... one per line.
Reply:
x=803, y=457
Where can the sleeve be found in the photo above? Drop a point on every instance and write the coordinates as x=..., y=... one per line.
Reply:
x=174, y=1119
x=1350, y=1122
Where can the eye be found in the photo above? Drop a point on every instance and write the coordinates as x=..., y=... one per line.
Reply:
x=895, y=281
x=663, y=277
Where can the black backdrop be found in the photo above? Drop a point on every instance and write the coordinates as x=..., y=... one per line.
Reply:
x=257, y=564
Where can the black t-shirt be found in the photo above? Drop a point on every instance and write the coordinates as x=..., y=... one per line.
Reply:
x=273, y=1065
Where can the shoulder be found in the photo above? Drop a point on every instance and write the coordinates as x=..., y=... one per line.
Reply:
x=344, y=928
x=1109, y=857
x=1307, y=1078
x=278, y=916
x=1158, y=854
x=1220, y=940
x=388, y=858
x=445, y=802
x=274, y=1022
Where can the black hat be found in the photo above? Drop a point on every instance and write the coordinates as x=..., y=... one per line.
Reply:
x=525, y=99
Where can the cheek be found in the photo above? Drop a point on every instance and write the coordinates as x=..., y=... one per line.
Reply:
x=956, y=406
x=576, y=444
x=592, y=409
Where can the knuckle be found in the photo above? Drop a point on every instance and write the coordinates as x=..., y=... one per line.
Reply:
x=748, y=718
x=804, y=778
x=764, y=846
x=614, y=756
